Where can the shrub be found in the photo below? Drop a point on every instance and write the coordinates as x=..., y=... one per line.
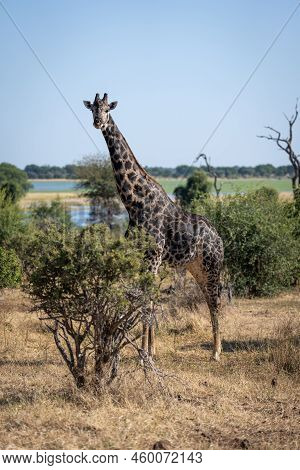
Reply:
x=10, y=268
x=261, y=250
x=197, y=186
x=43, y=214
x=265, y=193
x=11, y=222
x=93, y=290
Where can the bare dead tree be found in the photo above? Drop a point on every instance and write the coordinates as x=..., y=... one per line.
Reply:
x=212, y=173
x=286, y=144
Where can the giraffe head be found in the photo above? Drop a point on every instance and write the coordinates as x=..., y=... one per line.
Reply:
x=100, y=109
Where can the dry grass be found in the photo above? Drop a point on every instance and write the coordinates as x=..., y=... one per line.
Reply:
x=286, y=195
x=71, y=198
x=248, y=400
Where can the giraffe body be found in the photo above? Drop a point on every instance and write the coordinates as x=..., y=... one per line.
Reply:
x=182, y=239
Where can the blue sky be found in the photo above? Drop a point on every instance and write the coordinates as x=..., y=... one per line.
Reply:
x=174, y=67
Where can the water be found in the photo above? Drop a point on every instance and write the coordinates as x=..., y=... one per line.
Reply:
x=80, y=216
x=53, y=186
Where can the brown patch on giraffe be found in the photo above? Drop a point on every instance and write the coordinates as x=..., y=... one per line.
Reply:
x=197, y=271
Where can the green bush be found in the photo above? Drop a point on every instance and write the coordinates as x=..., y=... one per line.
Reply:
x=10, y=268
x=93, y=290
x=197, y=186
x=12, y=226
x=261, y=249
x=43, y=214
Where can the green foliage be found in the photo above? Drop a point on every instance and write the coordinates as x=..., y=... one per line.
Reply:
x=10, y=268
x=99, y=185
x=297, y=201
x=258, y=232
x=267, y=194
x=13, y=181
x=11, y=222
x=196, y=187
x=93, y=289
x=43, y=214
x=65, y=265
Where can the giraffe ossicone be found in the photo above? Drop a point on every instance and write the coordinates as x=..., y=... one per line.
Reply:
x=182, y=238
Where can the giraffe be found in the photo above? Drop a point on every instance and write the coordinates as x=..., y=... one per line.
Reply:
x=182, y=239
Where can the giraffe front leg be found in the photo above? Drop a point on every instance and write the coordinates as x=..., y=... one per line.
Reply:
x=148, y=335
x=151, y=333
x=145, y=335
x=148, y=344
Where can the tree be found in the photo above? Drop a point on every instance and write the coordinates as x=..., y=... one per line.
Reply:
x=286, y=144
x=13, y=181
x=196, y=187
x=92, y=290
x=183, y=171
x=98, y=184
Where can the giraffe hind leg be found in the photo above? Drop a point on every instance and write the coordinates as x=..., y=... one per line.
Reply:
x=209, y=284
x=213, y=302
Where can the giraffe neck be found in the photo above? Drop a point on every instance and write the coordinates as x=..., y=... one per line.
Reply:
x=136, y=188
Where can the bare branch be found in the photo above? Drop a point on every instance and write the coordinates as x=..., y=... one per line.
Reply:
x=286, y=144
x=212, y=173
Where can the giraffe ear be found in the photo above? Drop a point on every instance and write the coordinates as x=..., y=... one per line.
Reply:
x=87, y=104
x=113, y=105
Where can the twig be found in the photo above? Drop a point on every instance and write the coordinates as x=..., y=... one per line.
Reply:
x=286, y=144
x=212, y=173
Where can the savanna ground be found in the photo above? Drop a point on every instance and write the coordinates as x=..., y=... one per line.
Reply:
x=250, y=399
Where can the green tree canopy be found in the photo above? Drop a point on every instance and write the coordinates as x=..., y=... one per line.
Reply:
x=13, y=181
x=197, y=185
x=99, y=185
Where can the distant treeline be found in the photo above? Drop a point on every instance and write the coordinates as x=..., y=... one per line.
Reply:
x=49, y=172
x=259, y=171
x=181, y=171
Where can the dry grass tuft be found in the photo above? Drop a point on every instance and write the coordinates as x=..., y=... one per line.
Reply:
x=71, y=198
x=284, y=350
x=250, y=400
